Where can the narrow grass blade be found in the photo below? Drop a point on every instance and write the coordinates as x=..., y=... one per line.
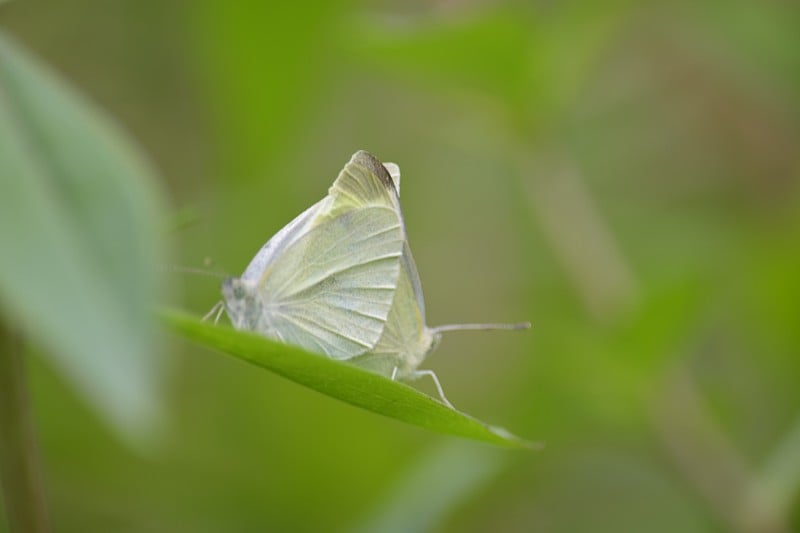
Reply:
x=341, y=381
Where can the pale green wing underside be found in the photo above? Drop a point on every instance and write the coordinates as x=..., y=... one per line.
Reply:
x=407, y=265
x=331, y=286
x=405, y=339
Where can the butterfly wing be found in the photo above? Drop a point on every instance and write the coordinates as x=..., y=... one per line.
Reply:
x=405, y=340
x=272, y=250
x=328, y=286
x=408, y=267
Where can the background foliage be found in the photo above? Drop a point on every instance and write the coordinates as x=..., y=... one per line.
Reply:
x=622, y=174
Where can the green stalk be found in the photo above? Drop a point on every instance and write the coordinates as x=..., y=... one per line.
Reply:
x=19, y=455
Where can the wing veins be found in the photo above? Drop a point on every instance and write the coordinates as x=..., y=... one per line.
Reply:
x=301, y=323
x=299, y=290
x=352, y=232
x=307, y=299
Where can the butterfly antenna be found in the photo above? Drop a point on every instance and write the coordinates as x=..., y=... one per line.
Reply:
x=190, y=270
x=463, y=327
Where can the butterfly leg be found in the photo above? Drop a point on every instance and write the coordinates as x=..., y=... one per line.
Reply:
x=419, y=373
x=394, y=373
x=219, y=313
x=218, y=307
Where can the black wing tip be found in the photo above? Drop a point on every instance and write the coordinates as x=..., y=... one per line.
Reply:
x=374, y=165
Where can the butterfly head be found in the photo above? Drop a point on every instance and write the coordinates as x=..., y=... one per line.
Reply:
x=242, y=303
x=435, y=339
x=428, y=342
x=416, y=352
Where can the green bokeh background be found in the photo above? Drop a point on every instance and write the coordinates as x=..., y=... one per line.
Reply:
x=624, y=175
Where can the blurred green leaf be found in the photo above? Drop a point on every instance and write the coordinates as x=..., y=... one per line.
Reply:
x=266, y=62
x=435, y=486
x=762, y=36
x=341, y=381
x=487, y=53
x=79, y=214
x=532, y=61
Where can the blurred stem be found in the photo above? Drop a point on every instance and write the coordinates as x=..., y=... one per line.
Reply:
x=780, y=476
x=710, y=461
x=590, y=254
x=579, y=233
x=19, y=458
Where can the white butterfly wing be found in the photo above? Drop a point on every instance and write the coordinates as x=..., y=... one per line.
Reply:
x=405, y=340
x=328, y=286
x=394, y=172
x=272, y=250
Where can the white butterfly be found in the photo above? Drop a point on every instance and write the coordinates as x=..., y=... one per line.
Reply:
x=340, y=279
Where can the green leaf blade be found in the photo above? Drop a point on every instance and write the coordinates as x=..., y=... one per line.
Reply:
x=79, y=222
x=344, y=382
